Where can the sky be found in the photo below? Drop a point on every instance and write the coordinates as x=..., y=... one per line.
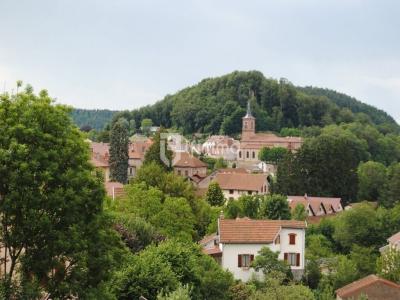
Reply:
x=124, y=54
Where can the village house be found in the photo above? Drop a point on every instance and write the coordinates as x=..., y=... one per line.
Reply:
x=238, y=242
x=393, y=242
x=235, y=184
x=252, y=142
x=137, y=150
x=316, y=206
x=189, y=166
x=372, y=287
x=99, y=155
x=221, y=146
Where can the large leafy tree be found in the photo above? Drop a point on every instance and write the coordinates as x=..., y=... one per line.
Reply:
x=50, y=203
x=275, y=207
x=159, y=152
x=119, y=147
x=372, y=176
x=214, y=194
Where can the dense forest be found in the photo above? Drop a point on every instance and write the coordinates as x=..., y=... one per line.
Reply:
x=92, y=118
x=216, y=105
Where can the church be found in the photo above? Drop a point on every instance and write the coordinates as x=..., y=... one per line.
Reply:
x=251, y=142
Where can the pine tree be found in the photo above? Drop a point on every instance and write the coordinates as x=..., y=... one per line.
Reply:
x=119, y=151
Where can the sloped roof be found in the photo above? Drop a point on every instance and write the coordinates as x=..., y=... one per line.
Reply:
x=374, y=284
x=185, y=160
x=394, y=238
x=241, y=181
x=233, y=170
x=315, y=202
x=138, y=148
x=248, y=231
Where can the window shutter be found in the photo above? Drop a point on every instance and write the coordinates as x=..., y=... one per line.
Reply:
x=251, y=258
x=239, y=261
x=285, y=257
x=297, y=259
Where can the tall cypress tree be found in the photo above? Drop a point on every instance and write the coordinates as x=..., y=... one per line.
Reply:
x=119, y=151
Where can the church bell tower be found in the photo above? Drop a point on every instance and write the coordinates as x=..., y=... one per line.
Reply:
x=248, y=124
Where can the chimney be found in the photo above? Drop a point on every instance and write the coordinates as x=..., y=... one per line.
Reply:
x=305, y=196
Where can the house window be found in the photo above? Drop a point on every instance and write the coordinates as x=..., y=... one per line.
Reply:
x=179, y=172
x=293, y=259
x=247, y=154
x=186, y=173
x=278, y=240
x=240, y=154
x=244, y=260
x=230, y=191
x=130, y=171
x=249, y=192
x=254, y=154
x=292, y=239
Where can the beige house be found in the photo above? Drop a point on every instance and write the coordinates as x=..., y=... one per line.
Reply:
x=137, y=150
x=234, y=185
x=189, y=166
x=251, y=142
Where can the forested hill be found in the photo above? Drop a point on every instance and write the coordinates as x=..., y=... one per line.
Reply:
x=95, y=118
x=216, y=105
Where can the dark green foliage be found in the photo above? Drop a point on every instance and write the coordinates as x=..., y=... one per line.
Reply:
x=391, y=190
x=51, y=203
x=312, y=274
x=372, y=177
x=299, y=213
x=217, y=105
x=214, y=195
x=267, y=261
x=95, y=118
x=119, y=147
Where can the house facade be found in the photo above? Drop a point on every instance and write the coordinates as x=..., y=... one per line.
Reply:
x=137, y=151
x=238, y=242
x=189, y=166
x=393, y=242
x=235, y=184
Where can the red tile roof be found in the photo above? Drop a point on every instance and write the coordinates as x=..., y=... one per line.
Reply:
x=247, y=231
x=137, y=149
x=215, y=251
x=373, y=283
x=185, y=160
x=315, y=202
x=99, y=154
x=114, y=189
x=233, y=170
x=241, y=181
x=394, y=238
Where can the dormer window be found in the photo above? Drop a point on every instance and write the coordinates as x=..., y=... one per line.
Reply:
x=292, y=239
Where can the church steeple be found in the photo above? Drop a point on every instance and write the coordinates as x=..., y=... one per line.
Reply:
x=248, y=124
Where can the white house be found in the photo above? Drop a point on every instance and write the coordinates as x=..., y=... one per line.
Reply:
x=234, y=185
x=238, y=241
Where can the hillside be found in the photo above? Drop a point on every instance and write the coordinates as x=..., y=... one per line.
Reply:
x=216, y=105
x=95, y=118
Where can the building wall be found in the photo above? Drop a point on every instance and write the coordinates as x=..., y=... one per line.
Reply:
x=202, y=172
x=231, y=251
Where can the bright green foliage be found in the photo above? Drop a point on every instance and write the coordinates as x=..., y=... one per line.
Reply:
x=159, y=153
x=232, y=210
x=299, y=213
x=181, y=293
x=388, y=265
x=241, y=291
x=51, y=203
x=272, y=155
x=344, y=272
x=360, y=226
x=365, y=259
x=267, y=261
x=160, y=268
x=214, y=194
x=220, y=164
x=318, y=246
x=372, y=177
x=119, y=151
x=146, y=125
x=290, y=132
x=275, y=207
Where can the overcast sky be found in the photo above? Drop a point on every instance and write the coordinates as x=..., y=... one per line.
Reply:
x=123, y=54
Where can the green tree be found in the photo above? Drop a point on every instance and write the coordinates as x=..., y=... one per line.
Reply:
x=313, y=274
x=372, y=177
x=214, y=194
x=267, y=261
x=146, y=125
x=272, y=155
x=391, y=193
x=275, y=207
x=181, y=293
x=52, y=225
x=318, y=246
x=119, y=151
x=365, y=259
x=299, y=213
x=159, y=152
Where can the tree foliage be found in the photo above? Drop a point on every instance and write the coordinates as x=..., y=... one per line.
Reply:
x=119, y=148
x=214, y=195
